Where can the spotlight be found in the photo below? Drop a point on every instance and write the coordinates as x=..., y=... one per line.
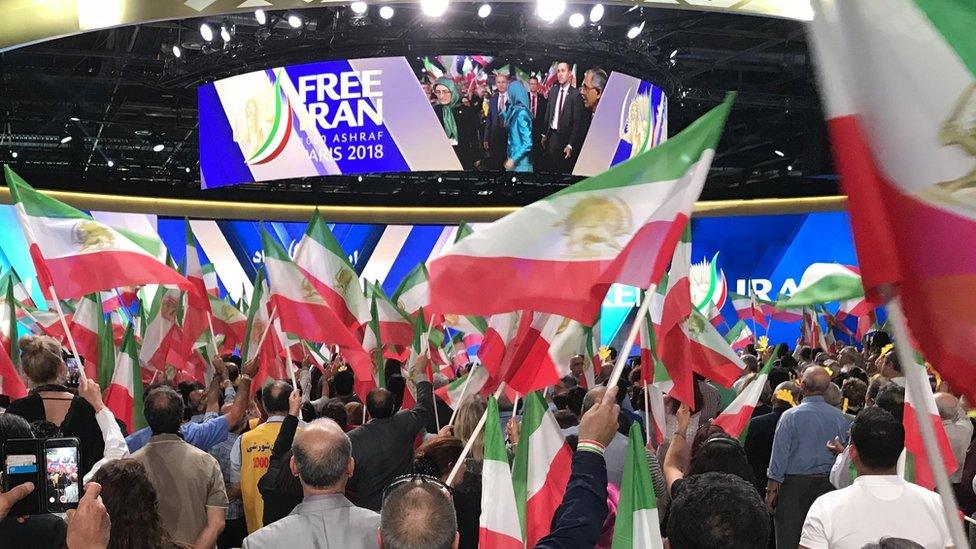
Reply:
x=359, y=178
x=596, y=13
x=549, y=10
x=14, y=154
x=224, y=33
x=158, y=147
x=514, y=179
x=779, y=153
x=260, y=16
x=177, y=52
x=440, y=179
x=576, y=20
x=635, y=31
x=359, y=7
x=74, y=119
x=187, y=170
x=789, y=168
x=673, y=54
x=294, y=21
x=386, y=12
x=434, y=8
x=111, y=163
x=206, y=32
x=66, y=139
x=484, y=10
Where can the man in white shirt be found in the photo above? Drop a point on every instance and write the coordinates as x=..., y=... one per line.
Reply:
x=879, y=503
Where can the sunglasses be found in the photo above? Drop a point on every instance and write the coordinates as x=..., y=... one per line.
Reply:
x=417, y=479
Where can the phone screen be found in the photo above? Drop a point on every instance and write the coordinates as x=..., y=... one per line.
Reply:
x=63, y=485
x=18, y=469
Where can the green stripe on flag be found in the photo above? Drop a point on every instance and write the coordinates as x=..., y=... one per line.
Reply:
x=131, y=348
x=955, y=20
x=827, y=289
x=35, y=203
x=106, y=349
x=494, y=442
x=636, y=494
x=318, y=230
x=535, y=407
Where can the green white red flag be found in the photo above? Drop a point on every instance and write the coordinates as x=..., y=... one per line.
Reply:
x=105, y=364
x=228, y=321
x=654, y=376
x=908, y=172
x=638, y=525
x=619, y=226
x=824, y=283
x=541, y=469
x=373, y=344
x=259, y=342
x=161, y=344
x=395, y=327
x=498, y=526
x=84, y=330
x=747, y=308
x=210, y=280
x=918, y=466
x=740, y=336
x=413, y=293
x=124, y=394
x=11, y=382
x=470, y=383
x=735, y=418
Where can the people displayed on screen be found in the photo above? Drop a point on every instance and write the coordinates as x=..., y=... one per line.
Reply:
x=563, y=131
x=591, y=90
x=428, y=92
x=537, y=106
x=496, y=133
x=518, y=120
x=459, y=121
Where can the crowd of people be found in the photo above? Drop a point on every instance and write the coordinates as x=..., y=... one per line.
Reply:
x=820, y=465
x=517, y=125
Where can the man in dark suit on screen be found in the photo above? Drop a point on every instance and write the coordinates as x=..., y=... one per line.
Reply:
x=538, y=108
x=563, y=130
x=496, y=133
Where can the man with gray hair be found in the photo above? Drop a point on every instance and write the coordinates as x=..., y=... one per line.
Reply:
x=322, y=461
x=418, y=515
x=958, y=429
x=616, y=451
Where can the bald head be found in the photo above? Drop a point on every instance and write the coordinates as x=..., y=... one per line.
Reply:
x=418, y=515
x=815, y=381
x=593, y=396
x=322, y=456
x=948, y=406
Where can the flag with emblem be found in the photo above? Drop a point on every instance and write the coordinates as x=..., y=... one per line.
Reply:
x=735, y=418
x=163, y=337
x=825, y=283
x=395, y=327
x=373, y=344
x=84, y=330
x=638, y=525
x=740, y=336
x=501, y=332
x=124, y=394
x=259, y=343
x=470, y=383
x=498, y=526
x=413, y=293
x=747, y=308
x=228, y=321
x=11, y=382
x=561, y=254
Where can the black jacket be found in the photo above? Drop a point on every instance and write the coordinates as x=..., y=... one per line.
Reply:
x=570, y=131
x=579, y=519
x=280, y=490
x=759, y=444
x=383, y=449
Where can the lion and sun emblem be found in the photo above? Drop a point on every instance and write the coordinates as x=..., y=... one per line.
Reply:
x=594, y=227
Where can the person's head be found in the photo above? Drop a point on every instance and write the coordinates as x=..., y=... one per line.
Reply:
x=854, y=391
x=563, y=73
x=875, y=341
x=893, y=543
x=791, y=388
x=163, y=410
x=13, y=426
x=354, y=411
x=948, y=406
x=425, y=85
x=833, y=396
x=336, y=411
x=815, y=381
x=723, y=454
x=418, y=515
x=344, y=382
x=874, y=389
x=594, y=81
x=322, y=456
x=576, y=365
x=468, y=415
x=518, y=96
x=877, y=440
x=717, y=510
x=132, y=503
x=533, y=85
x=778, y=375
x=751, y=362
x=564, y=385
x=501, y=82
x=891, y=366
x=44, y=429
x=380, y=403
x=40, y=357
x=566, y=419
x=892, y=399
x=437, y=457
x=274, y=397
x=446, y=92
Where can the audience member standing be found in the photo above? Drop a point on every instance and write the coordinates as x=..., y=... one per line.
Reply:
x=496, y=133
x=958, y=429
x=759, y=434
x=800, y=463
x=538, y=108
x=563, y=135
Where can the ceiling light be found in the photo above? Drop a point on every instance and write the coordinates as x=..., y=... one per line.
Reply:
x=549, y=10
x=789, y=168
x=158, y=147
x=576, y=20
x=484, y=10
x=294, y=21
x=224, y=34
x=13, y=154
x=433, y=8
x=260, y=16
x=73, y=119
x=111, y=163
x=206, y=32
x=386, y=12
x=187, y=170
x=514, y=179
x=635, y=31
x=359, y=178
x=359, y=7
x=177, y=52
x=596, y=13
x=778, y=152
x=66, y=139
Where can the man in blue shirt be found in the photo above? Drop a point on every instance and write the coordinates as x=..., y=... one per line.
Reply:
x=800, y=463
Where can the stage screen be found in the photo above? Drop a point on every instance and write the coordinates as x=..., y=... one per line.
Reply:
x=448, y=113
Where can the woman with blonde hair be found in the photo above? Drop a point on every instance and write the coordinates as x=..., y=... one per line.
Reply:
x=468, y=415
x=50, y=400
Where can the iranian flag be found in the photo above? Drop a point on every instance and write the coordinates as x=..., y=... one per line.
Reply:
x=638, y=525
x=11, y=383
x=84, y=330
x=210, y=280
x=811, y=331
x=413, y=293
x=908, y=172
x=561, y=254
x=857, y=306
x=106, y=355
x=259, y=343
x=740, y=336
x=542, y=353
x=735, y=418
x=124, y=394
x=65, y=242
x=469, y=384
x=824, y=283
x=228, y=321
x=498, y=526
x=747, y=308
x=541, y=468
x=161, y=342
x=325, y=264
x=395, y=327
x=373, y=344
x=918, y=464
x=655, y=378
x=501, y=332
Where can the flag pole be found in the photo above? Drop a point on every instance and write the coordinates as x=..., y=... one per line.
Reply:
x=437, y=416
x=471, y=439
x=464, y=392
x=67, y=333
x=631, y=337
x=647, y=414
x=905, y=356
x=213, y=336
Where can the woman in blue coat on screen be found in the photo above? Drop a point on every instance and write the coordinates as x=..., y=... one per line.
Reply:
x=518, y=119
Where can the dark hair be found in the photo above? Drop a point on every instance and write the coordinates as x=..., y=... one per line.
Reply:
x=397, y=385
x=806, y=353
x=132, y=503
x=875, y=386
x=858, y=373
x=777, y=375
x=344, y=382
x=854, y=391
x=13, y=426
x=788, y=362
x=721, y=454
x=436, y=457
x=163, y=410
x=44, y=429
x=322, y=467
x=892, y=399
x=418, y=515
x=892, y=359
x=717, y=510
x=879, y=438
x=335, y=410
x=876, y=340
x=274, y=397
x=566, y=419
x=380, y=403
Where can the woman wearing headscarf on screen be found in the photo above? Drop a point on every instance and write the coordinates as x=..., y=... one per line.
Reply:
x=518, y=119
x=457, y=120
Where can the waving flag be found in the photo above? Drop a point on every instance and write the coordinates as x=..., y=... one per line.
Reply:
x=918, y=465
x=747, y=308
x=560, y=255
x=498, y=526
x=259, y=342
x=106, y=352
x=395, y=327
x=824, y=283
x=161, y=344
x=228, y=321
x=740, y=336
x=11, y=383
x=735, y=418
x=414, y=291
x=124, y=394
x=84, y=330
x=470, y=383
x=637, y=525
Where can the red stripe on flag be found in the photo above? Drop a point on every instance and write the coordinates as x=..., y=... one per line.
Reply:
x=81, y=274
x=541, y=507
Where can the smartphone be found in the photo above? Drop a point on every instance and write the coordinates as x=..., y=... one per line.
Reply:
x=74, y=377
x=22, y=463
x=62, y=481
